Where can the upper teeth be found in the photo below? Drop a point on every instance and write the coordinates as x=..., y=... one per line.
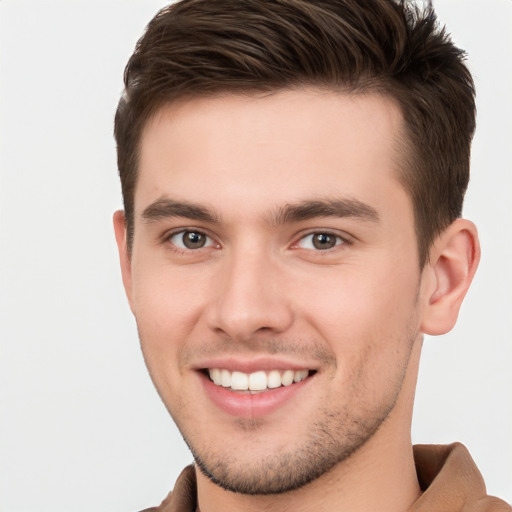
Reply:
x=256, y=381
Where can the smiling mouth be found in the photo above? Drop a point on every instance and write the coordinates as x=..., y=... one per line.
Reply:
x=256, y=382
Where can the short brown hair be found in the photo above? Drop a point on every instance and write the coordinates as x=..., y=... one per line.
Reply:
x=206, y=47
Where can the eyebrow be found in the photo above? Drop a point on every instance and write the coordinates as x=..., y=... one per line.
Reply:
x=339, y=208
x=164, y=208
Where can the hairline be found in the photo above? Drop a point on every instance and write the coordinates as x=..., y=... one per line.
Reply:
x=404, y=147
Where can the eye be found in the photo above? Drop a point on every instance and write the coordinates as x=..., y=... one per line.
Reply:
x=190, y=240
x=320, y=241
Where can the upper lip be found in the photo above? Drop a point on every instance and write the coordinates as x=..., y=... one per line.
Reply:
x=255, y=364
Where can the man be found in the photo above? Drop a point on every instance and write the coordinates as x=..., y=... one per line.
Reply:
x=293, y=175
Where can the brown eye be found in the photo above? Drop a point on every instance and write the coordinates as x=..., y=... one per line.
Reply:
x=320, y=241
x=323, y=241
x=191, y=240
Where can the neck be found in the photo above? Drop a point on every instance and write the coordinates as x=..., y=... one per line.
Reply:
x=381, y=479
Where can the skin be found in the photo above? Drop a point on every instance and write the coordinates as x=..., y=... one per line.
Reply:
x=259, y=292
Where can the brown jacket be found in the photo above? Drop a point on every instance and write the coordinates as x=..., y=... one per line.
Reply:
x=446, y=473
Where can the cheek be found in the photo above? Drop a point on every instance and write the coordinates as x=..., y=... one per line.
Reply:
x=166, y=310
x=359, y=300
x=165, y=303
x=369, y=318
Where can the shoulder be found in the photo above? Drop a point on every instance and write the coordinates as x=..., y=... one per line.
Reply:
x=183, y=498
x=451, y=481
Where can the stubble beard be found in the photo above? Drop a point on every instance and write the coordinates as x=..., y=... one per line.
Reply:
x=332, y=439
x=329, y=443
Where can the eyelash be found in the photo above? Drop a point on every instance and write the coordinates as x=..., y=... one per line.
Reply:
x=167, y=238
x=340, y=240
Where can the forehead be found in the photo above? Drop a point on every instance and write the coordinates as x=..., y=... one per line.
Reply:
x=287, y=146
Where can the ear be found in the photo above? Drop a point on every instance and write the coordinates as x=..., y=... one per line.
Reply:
x=453, y=262
x=124, y=257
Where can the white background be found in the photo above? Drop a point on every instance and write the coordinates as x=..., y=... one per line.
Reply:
x=81, y=428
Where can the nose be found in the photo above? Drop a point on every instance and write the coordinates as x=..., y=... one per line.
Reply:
x=251, y=297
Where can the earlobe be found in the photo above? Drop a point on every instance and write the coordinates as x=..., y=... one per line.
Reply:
x=453, y=262
x=124, y=257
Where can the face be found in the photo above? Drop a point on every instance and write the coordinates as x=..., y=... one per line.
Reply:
x=275, y=280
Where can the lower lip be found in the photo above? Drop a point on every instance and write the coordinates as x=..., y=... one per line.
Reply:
x=247, y=405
